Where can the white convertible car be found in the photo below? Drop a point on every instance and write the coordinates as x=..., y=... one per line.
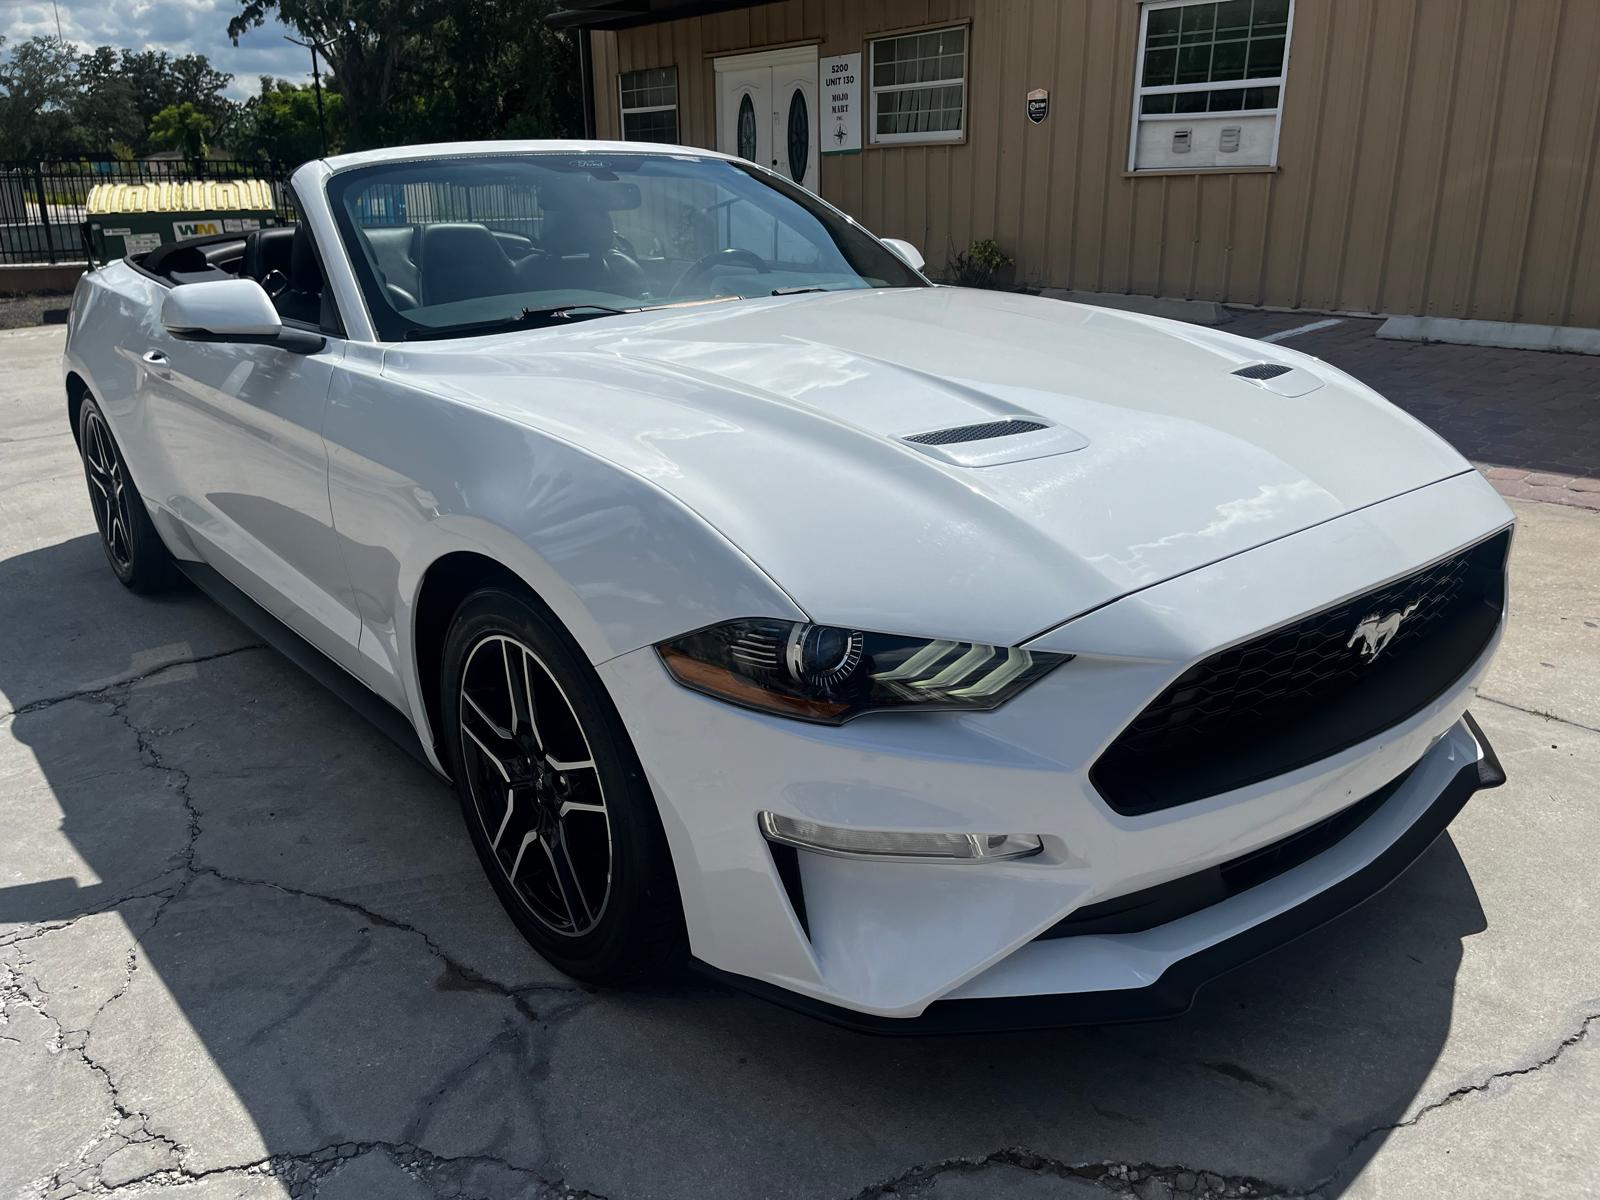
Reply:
x=925, y=658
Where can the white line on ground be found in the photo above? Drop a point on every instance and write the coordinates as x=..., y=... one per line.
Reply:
x=1284, y=335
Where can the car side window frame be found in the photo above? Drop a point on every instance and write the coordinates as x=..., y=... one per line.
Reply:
x=330, y=322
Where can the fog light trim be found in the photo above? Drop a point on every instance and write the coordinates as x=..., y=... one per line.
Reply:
x=899, y=847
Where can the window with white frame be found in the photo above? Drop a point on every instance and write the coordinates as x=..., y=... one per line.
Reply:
x=649, y=105
x=919, y=86
x=1210, y=83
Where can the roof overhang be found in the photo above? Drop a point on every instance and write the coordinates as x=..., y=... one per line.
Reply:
x=621, y=14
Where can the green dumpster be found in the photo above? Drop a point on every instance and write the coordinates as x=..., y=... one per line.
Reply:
x=133, y=218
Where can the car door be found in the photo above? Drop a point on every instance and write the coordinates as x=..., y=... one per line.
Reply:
x=241, y=427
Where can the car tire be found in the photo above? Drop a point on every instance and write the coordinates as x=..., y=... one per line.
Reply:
x=137, y=555
x=553, y=795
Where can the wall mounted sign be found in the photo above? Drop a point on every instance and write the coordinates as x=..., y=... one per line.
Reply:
x=1038, y=105
x=841, y=103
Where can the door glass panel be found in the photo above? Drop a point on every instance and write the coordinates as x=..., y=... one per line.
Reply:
x=799, y=136
x=747, y=129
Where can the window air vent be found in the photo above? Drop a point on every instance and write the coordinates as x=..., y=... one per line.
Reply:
x=1180, y=140
x=975, y=433
x=1230, y=140
x=1262, y=371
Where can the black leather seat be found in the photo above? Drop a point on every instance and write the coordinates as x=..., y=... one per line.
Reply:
x=393, y=250
x=580, y=254
x=302, y=299
x=462, y=261
x=267, y=251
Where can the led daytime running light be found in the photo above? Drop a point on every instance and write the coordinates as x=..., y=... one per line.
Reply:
x=830, y=674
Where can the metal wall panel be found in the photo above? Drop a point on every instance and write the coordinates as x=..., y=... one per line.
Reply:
x=1436, y=156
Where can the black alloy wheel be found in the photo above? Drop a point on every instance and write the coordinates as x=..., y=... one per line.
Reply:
x=129, y=538
x=553, y=795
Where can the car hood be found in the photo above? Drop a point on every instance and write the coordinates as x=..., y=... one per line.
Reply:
x=782, y=423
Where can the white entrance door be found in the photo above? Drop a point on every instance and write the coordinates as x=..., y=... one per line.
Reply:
x=767, y=111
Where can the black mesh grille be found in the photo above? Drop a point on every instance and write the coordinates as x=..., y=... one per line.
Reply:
x=1308, y=690
x=974, y=433
x=1262, y=371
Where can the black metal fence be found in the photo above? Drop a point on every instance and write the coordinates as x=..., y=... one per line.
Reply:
x=43, y=204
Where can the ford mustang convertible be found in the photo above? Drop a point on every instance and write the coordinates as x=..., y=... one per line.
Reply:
x=925, y=658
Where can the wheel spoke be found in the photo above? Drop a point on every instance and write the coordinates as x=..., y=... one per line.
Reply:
x=494, y=759
x=500, y=732
x=572, y=806
x=511, y=688
x=491, y=738
x=94, y=451
x=533, y=711
x=511, y=807
x=528, y=839
x=566, y=880
x=557, y=765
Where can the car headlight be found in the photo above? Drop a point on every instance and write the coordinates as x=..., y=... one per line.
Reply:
x=826, y=674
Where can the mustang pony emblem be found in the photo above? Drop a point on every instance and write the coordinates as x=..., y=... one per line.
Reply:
x=1378, y=631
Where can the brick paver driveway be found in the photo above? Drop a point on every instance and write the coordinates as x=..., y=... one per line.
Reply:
x=1531, y=421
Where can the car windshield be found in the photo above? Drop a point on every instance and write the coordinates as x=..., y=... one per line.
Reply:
x=457, y=246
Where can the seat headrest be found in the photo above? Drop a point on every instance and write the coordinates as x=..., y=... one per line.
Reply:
x=267, y=250
x=305, y=274
x=461, y=261
x=577, y=231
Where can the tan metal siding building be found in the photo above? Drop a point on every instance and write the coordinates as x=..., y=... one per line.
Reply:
x=1434, y=156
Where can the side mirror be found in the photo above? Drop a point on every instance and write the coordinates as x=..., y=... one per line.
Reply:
x=907, y=252
x=231, y=310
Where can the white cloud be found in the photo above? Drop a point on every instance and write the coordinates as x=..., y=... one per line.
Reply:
x=176, y=26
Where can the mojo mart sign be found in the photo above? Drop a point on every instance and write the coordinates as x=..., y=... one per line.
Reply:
x=840, y=86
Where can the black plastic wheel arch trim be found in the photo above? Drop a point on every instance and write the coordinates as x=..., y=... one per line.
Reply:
x=1173, y=993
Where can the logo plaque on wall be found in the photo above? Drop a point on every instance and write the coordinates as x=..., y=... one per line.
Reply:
x=1038, y=105
x=840, y=89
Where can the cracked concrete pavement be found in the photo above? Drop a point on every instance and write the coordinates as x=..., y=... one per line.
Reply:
x=246, y=952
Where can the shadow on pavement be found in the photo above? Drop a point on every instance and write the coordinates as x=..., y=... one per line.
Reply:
x=319, y=962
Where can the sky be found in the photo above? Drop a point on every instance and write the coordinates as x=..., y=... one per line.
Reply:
x=176, y=26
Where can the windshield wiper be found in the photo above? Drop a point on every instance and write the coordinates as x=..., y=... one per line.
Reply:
x=797, y=291
x=527, y=318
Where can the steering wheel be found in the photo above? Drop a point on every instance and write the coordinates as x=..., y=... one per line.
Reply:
x=729, y=256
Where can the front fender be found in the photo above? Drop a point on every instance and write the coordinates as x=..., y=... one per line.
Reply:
x=414, y=476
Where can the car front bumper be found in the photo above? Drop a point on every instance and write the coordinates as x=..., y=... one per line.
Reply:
x=934, y=947
x=1298, y=906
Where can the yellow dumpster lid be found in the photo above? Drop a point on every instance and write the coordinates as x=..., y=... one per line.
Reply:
x=195, y=195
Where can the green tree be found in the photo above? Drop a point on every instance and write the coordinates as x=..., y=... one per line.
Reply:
x=105, y=110
x=280, y=123
x=362, y=40
x=413, y=70
x=182, y=127
x=158, y=81
x=38, y=83
x=501, y=71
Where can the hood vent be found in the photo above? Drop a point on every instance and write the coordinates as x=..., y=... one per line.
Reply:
x=1262, y=370
x=974, y=433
